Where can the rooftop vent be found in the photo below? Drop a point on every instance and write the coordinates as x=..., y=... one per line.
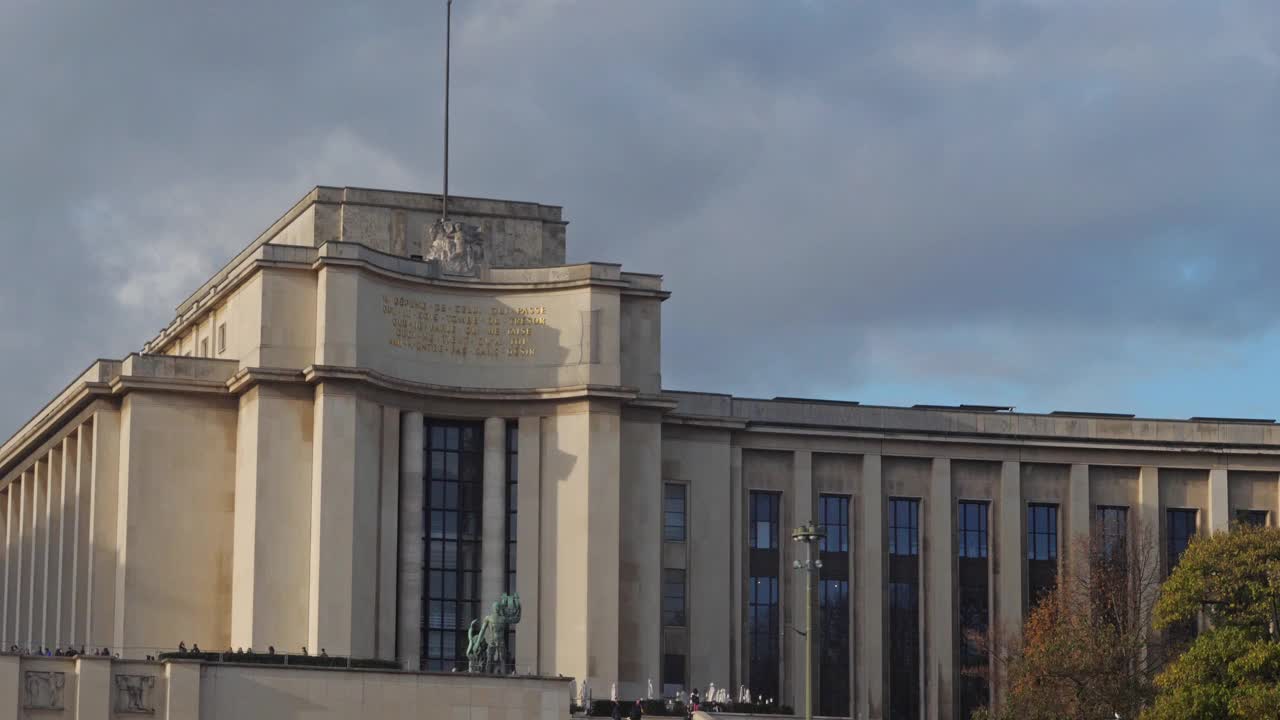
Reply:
x=1113, y=416
x=815, y=401
x=966, y=407
x=1250, y=421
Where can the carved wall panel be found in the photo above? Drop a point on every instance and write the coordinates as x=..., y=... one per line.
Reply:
x=133, y=694
x=43, y=690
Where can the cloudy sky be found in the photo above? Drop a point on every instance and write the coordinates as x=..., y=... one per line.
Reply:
x=1052, y=205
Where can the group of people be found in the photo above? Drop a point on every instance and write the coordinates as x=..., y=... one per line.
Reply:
x=694, y=705
x=635, y=711
x=58, y=652
x=271, y=650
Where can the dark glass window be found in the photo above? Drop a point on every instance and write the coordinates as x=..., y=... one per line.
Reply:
x=972, y=603
x=673, y=512
x=763, y=628
x=764, y=520
x=833, y=607
x=1042, y=551
x=1181, y=528
x=673, y=597
x=904, y=608
x=513, y=504
x=1113, y=532
x=833, y=515
x=453, y=509
x=672, y=674
x=1253, y=518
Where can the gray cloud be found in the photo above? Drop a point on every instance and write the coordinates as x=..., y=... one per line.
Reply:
x=1025, y=198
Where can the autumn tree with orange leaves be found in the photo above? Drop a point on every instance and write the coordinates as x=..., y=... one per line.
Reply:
x=1087, y=651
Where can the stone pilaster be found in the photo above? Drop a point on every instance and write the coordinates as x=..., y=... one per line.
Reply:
x=7, y=547
x=388, y=533
x=1148, y=527
x=1219, y=519
x=1010, y=561
x=10, y=687
x=528, y=542
x=412, y=539
x=870, y=565
x=801, y=512
x=493, y=520
x=1079, y=517
x=938, y=544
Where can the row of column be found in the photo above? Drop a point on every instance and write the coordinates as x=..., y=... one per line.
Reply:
x=45, y=547
x=413, y=533
x=938, y=537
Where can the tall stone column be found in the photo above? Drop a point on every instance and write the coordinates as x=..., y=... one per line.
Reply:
x=493, y=517
x=412, y=540
x=793, y=666
x=871, y=644
x=10, y=560
x=528, y=547
x=1219, y=519
x=939, y=556
x=1079, y=518
x=1149, y=514
x=1010, y=558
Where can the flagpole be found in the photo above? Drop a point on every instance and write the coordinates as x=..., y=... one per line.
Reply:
x=448, y=26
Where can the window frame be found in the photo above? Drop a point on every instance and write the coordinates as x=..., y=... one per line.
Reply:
x=673, y=616
x=835, y=637
x=682, y=513
x=1176, y=519
x=973, y=560
x=1101, y=513
x=904, y=693
x=465, y=534
x=1042, y=521
x=1247, y=516
x=763, y=596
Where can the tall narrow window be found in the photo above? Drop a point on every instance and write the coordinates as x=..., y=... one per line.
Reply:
x=453, y=460
x=513, y=505
x=904, y=608
x=673, y=597
x=1252, y=518
x=1113, y=533
x=1110, y=590
x=204, y=347
x=973, y=604
x=763, y=627
x=672, y=674
x=1042, y=551
x=833, y=606
x=673, y=513
x=513, y=501
x=1180, y=528
x=222, y=338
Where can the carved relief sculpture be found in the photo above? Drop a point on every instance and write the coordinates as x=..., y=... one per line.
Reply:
x=133, y=693
x=43, y=690
x=457, y=246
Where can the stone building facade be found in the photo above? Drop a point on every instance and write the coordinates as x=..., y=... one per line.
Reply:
x=341, y=443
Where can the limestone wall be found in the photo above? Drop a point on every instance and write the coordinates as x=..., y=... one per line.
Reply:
x=94, y=688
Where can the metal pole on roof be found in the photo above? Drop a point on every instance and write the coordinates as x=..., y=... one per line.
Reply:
x=448, y=27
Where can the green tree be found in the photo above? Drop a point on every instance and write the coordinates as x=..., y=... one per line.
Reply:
x=1232, y=670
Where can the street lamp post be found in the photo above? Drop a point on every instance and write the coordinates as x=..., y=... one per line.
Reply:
x=809, y=533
